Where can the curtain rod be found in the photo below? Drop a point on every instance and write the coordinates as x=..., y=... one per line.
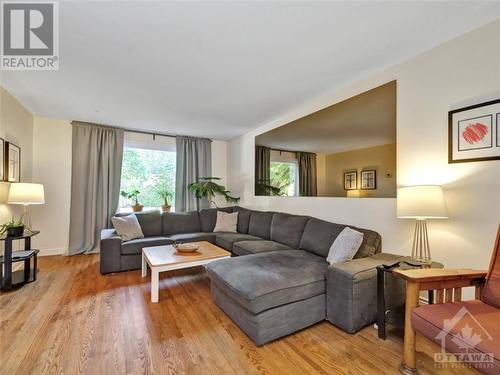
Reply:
x=131, y=130
x=293, y=152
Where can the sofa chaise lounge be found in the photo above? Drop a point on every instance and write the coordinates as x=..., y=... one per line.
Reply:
x=278, y=280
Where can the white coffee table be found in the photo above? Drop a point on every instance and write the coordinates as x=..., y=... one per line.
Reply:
x=165, y=258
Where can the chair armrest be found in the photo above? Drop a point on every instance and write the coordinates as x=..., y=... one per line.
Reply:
x=110, y=251
x=351, y=291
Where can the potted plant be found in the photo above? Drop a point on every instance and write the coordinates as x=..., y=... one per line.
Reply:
x=13, y=228
x=166, y=195
x=133, y=195
x=205, y=187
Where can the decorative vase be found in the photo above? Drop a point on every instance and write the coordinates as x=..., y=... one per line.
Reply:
x=15, y=231
x=165, y=208
x=137, y=207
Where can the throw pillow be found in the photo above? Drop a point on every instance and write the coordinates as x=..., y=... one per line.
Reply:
x=345, y=246
x=226, y=222
x=127, y=227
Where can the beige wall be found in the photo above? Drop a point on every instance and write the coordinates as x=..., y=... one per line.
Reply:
x=380, y=158
x=428, y=86
x=16, y=126
x=52, y=168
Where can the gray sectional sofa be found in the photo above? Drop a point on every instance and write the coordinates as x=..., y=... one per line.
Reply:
x=278, y=280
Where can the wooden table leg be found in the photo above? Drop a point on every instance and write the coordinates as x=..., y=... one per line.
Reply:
x=409, y=365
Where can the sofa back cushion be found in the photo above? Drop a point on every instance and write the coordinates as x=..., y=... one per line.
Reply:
x=319, y=236
x=208, y=217
x=260, y=224
x=150, y=222
x=180, y=222
x=288, y=229
x=243, y=219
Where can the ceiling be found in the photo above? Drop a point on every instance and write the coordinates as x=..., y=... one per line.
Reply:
x=365, y=120
x=220, y=69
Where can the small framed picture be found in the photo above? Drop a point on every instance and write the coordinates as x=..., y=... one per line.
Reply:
x=2, y=161
x=474, y=133
x=350, y=180
x=369, y=179
x=12, y=169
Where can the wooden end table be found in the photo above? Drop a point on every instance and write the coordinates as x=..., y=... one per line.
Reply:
x=166, y=258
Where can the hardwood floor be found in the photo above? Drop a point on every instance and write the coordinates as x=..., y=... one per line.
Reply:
x=75, y=321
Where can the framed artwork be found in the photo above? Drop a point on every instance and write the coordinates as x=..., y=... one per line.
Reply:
x=12, y=163
x=350, y=180
x=474, y=133
x=2, y=156
x=369, y=179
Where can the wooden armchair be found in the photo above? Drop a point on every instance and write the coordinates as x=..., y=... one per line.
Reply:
x=443, y=322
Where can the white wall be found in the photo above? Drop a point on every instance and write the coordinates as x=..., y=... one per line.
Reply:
x=462, y=72
x=52, y=168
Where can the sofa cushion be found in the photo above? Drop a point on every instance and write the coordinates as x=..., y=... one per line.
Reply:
x=319, y=236
x=135, y=246
x=260, y=282
x=208, y=217
x=243, y=219
x=254, y=247
x=150, y=222
x=193, y=237
x=260, y=224
x=288, y=229
x=226, y=239
x=429, y=320
x=180, y=222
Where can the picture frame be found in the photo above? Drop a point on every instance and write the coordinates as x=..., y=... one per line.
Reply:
x=12, y=162
x=474, y=133
x=369, y=179
x=350, y=180
x=2, y=157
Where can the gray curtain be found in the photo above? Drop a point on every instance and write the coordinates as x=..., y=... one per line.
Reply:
x=95, y=183
x=194, y=160
x=307, y=174
x=262, y=169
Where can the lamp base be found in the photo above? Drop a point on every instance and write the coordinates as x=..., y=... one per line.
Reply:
x=421, y=252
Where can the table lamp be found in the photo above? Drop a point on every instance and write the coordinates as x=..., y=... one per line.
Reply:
x=26, y=194
x=421, y=203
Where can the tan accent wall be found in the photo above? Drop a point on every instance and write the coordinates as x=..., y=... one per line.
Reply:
x=380, y=158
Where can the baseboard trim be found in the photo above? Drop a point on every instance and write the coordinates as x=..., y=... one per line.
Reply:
x=50, y=252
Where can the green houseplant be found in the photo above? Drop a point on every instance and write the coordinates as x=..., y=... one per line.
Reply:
x=134, y=195
x=166, y=195
x=206, y=187
x=13, y=228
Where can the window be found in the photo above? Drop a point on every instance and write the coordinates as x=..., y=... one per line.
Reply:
x=284, y=175
x=151, y=172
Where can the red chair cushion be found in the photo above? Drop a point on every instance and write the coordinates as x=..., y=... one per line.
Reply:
x=483, y=319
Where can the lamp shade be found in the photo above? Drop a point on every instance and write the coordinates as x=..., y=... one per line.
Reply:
x=421, y=202
x=23, y=193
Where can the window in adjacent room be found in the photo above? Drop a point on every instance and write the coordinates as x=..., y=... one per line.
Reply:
x=149, y=167
x=284, y=173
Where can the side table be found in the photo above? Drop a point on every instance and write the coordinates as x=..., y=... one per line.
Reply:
x=385, y=316
x=9, y=279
